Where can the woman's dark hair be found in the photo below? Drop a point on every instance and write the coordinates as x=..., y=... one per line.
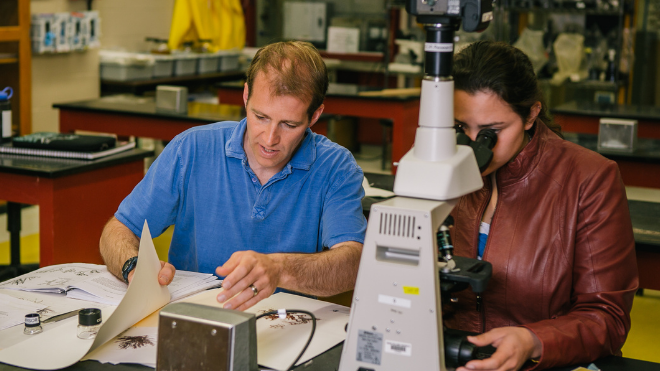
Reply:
x=506, y=71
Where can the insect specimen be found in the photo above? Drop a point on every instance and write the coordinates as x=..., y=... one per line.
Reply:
x=292, y=319
x=126, y=342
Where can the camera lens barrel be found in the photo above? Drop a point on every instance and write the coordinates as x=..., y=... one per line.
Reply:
x=439, y=50
x=458, y=350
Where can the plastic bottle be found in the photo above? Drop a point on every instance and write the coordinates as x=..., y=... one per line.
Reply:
x=611, y=72
x=89, y=323
x=5, y=115
x=32, y=324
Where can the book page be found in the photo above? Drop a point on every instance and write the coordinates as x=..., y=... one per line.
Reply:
x=99, y=284
x=92, y=282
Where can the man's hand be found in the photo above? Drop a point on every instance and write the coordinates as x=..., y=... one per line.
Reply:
x=246, y=268
x=165, y=276
x=515, y=346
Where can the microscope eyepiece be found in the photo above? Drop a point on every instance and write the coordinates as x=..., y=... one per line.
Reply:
x=482, y=145
x=487, y=138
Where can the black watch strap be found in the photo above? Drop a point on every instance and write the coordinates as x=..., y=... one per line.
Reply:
x=128, y=267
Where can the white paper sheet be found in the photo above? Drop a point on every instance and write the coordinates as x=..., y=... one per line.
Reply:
x=135, y=345
x=13, y=310
x=278, y=341
x=370, y=191
x=61, y=347
x=54, y=304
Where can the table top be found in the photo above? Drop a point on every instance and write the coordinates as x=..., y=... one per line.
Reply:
x=329, y=361
x=173, y=80
x=648, y=150
x=206, y=113
x=53, y=167
x=342, y=91
x=644, y=215
x=636, y=112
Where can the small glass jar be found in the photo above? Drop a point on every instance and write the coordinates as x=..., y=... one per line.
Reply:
x=89, y=323
x=32, y=324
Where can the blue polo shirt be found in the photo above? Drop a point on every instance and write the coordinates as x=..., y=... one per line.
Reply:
x=202, y=184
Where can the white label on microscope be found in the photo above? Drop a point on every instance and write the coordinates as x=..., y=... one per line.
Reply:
x=396, y=347
x=391, y=300
x=369, y=347
x=439, y=47
x=453, y=7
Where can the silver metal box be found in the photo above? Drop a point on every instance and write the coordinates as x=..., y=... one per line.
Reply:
x=172, y=98
x=195, y=337
x=616, y=135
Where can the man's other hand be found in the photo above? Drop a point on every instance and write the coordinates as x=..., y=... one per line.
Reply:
x=243, y=270
x=165, y=276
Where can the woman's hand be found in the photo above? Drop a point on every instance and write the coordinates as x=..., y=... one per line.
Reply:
x=515, y=346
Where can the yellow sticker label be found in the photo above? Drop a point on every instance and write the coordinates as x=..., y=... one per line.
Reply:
x=410, y=290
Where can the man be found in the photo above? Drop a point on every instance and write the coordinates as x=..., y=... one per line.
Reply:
x=256, y=201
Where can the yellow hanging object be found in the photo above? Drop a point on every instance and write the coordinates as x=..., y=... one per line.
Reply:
x=182, y=29
x=220, y=21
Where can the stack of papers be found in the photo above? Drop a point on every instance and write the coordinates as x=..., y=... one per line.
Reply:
x=92, y=282
x=186, y=283
x=370, y=191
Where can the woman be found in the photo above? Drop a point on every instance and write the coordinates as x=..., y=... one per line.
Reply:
x=552, y=219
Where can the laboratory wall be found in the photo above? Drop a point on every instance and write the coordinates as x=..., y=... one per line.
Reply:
x=74, y=76
x=126, y=23
x=60, y=77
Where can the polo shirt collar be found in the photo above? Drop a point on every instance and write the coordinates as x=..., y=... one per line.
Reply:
x=234, y=146
x=302, y=159
x=305, y=156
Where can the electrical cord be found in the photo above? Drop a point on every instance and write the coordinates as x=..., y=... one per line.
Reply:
x=283, y=312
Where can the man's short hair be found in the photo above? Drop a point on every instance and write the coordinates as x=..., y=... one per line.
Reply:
x=299, y=71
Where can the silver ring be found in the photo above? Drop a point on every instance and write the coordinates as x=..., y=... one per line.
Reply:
x=254, y=291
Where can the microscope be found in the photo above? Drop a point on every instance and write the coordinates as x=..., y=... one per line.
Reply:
x=407, y=259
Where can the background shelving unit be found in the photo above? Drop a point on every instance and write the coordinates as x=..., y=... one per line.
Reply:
x=16, y=60
x=513, y=16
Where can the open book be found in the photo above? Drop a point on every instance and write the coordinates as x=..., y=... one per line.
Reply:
x=95, y=283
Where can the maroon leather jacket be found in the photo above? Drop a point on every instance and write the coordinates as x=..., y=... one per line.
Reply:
x=562, y=249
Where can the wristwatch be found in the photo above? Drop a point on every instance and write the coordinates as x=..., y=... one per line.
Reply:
x=128, y=267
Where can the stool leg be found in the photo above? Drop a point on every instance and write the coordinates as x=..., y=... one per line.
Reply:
x=385, y=140
x=14, y=228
